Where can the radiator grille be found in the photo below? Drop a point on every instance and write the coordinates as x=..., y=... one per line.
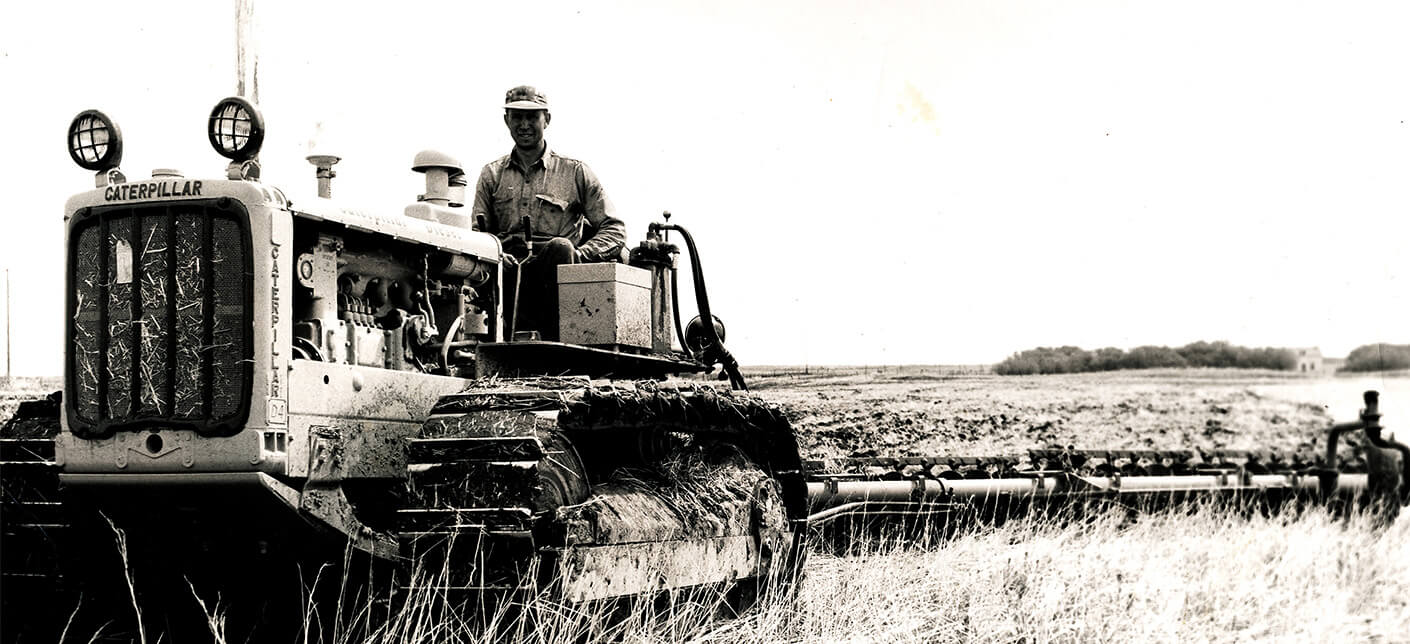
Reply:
x=160, y=318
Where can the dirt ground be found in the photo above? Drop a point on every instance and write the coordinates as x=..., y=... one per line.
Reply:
x=920, y=411
x=843, y=412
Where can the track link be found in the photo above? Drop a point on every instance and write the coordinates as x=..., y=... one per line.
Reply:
x=33, y=524
x=496, y=486
x=469, y=509
x=486, y=465
x=32, y=520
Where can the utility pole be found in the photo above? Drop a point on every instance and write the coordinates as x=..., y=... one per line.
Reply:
x=9, y=375
x=246, y=52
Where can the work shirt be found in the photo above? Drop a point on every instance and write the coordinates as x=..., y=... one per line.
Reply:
x=561, y=197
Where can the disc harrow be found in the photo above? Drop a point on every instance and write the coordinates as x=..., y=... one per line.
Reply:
x=848, y=494
x=1076, y=461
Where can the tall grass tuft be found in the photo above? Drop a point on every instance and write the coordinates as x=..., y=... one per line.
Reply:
x=120, y=538
x=1201, y=574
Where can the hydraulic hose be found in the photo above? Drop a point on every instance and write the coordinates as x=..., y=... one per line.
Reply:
x=714, y=352
x=676, y=310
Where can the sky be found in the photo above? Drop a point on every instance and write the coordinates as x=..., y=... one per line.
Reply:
x=904, y=182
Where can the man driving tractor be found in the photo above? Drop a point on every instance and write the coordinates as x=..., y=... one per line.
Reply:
x=548, y=210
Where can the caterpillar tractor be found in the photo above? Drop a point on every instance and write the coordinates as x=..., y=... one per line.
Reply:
x=255, y=387
x=251, y=382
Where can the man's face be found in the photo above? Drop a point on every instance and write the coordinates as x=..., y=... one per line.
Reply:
x=526, y=127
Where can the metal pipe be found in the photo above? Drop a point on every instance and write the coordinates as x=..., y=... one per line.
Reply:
x=514, y=314
x=878, y=508
x=1371, y=419
x=676, y=309
x=829, y=494
x=1335, y=432
x=1327, y=476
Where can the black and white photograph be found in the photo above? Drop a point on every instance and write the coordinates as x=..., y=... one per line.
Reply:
x=705, y=321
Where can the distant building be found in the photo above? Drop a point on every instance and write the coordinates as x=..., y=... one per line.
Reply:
x=1308, y=360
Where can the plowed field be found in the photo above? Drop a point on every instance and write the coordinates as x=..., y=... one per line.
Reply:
x=916, y=411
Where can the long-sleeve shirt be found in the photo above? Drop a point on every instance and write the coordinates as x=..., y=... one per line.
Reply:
x=561, y=197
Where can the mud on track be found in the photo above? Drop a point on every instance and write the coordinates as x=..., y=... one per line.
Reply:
x=915, y=411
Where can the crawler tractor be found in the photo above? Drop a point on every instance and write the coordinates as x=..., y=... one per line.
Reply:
x=252, y=383
x=253, y=386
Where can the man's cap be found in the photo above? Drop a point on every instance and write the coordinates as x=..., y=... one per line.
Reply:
x=525, y=97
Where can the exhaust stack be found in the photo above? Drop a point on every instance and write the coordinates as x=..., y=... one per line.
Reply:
x=438, y=168
x=324, y=163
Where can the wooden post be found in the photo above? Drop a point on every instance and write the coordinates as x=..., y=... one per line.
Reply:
x=246, y=52
x=9, y=375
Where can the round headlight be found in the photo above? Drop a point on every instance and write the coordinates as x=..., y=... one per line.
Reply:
x=95, y=143
x=236, y=129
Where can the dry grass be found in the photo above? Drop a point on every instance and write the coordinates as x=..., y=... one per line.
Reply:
x=1168, y=577
x=1206, y=576
x=426, y=615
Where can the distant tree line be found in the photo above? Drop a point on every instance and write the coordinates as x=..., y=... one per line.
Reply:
x=1195, y=354
x=1378, y=357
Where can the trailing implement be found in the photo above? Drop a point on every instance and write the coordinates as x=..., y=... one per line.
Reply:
x=853, y=495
